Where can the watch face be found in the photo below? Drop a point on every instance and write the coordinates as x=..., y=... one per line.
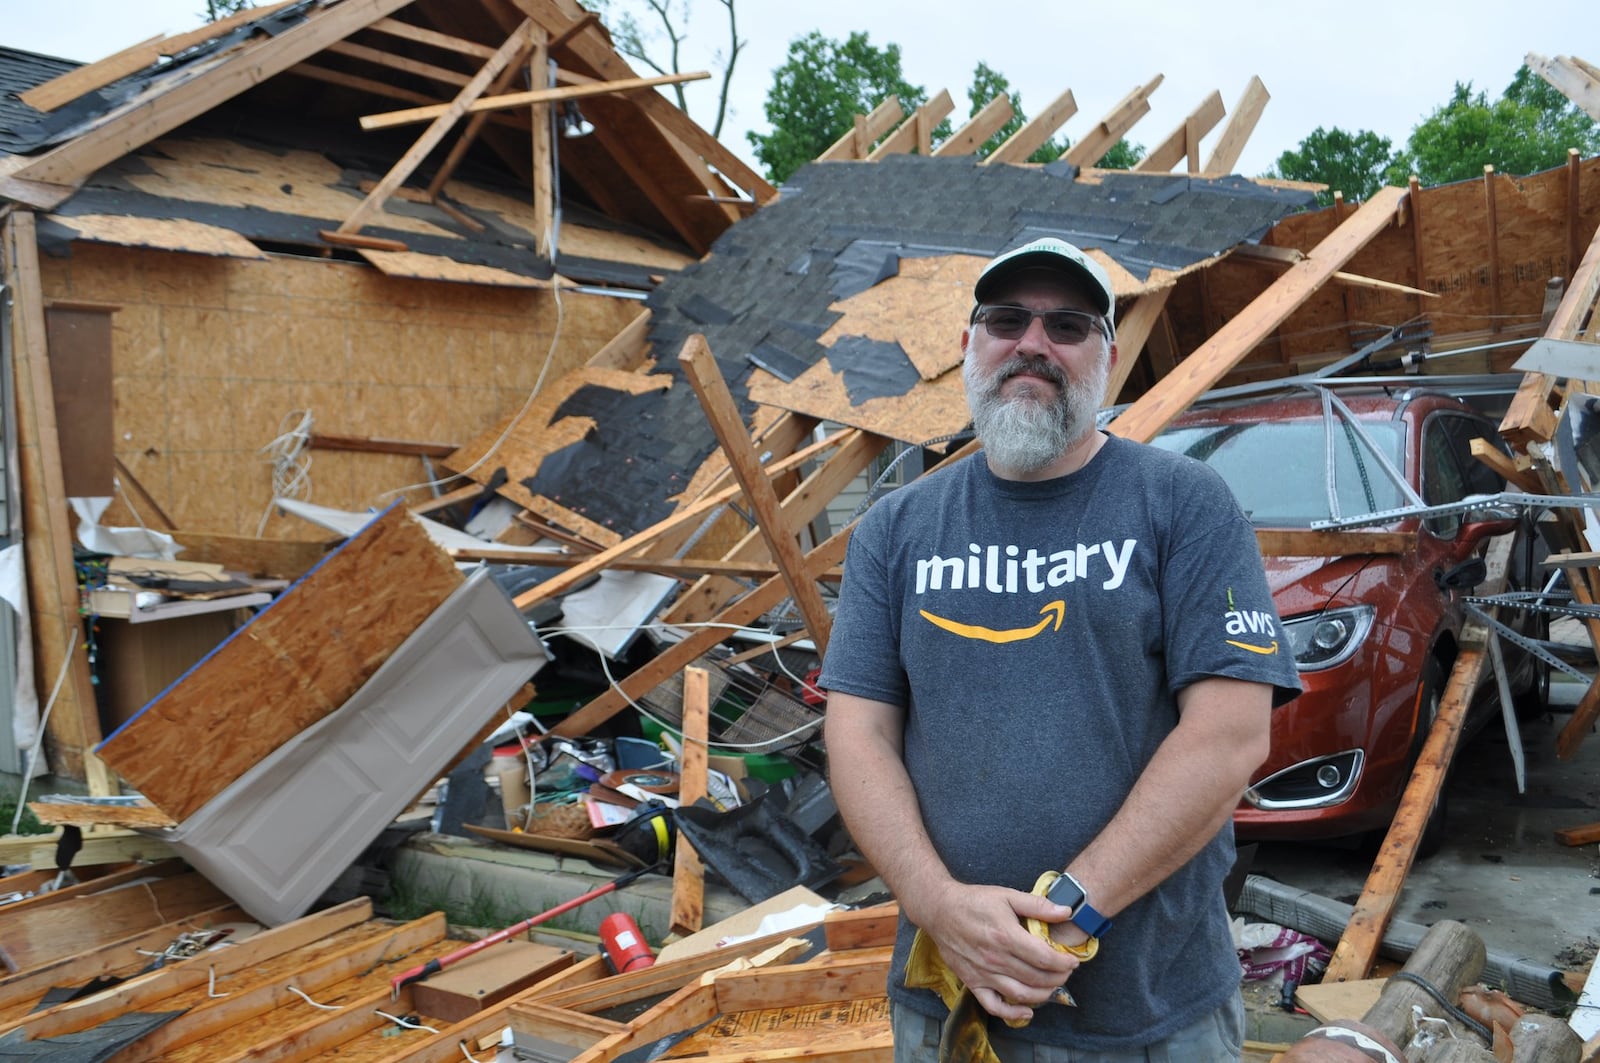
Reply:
x=1065, y=892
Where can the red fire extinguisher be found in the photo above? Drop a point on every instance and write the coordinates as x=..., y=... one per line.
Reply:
x=624, y=944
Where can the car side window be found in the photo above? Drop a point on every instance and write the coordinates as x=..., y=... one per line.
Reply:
x=1450, y=472
x=1443, y=479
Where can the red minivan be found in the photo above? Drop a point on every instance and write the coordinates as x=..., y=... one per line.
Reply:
x=1374, y=635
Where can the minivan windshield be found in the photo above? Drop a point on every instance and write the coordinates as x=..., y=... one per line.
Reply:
x=1278, y=470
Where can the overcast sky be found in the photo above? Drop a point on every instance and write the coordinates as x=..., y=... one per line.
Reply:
x=1381, y=67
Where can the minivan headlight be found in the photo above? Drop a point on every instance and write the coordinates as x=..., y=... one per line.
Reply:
x=1322, y=640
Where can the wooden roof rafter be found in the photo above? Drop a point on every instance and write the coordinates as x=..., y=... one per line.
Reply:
x=74, y=84
x=916, y=132
x=518, y=43
x=979, y=128
x=47, y=180
x=1246, y=113
x=1036, y=132
x=1184, y=142
x=513, y=100
x=857, y=143
x=1114, y=126
x=1577, y=80
x=589, y=45
x=1228, y=345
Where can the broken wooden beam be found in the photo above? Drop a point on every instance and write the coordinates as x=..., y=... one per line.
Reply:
x=512, y=100
x=1353, y=956
x=700, y=366
x=688, y=872
x=1207, y=364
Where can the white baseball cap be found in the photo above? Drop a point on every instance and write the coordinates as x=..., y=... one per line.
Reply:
x=1052, y=254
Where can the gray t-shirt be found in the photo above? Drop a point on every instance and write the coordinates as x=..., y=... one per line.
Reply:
x=1038, y=634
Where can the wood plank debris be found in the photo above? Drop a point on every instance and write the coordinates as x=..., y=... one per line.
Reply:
x=526, y=352
x=292, y=665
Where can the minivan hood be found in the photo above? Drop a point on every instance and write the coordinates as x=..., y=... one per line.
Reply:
x=1302, y=585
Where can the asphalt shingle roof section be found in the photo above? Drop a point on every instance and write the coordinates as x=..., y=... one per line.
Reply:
x=838, y=228
x=22, y=127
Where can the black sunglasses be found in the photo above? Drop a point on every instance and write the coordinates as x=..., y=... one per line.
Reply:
x=1060, y=326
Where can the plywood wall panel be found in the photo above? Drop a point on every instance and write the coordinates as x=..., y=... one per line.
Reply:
x=293, y=664
x=199, y=387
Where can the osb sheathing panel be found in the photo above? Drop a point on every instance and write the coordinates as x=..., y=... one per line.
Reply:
x=1532, y=234
x=294, y=663
x=213, y=357
x=929, y=410
x=573, y=239
x=231, y=174
x=441, y=268
x=171, y=234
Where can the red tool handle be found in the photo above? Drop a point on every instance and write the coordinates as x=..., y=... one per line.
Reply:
x=433, y=966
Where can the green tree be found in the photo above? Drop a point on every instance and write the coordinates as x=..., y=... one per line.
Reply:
x=646, y=46
x=1530, y=128
x=817, y=93
x=219, y=9
x=1352, y=163
x=1123, y=155
x=987, y=83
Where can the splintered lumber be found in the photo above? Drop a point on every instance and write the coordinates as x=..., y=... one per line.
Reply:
x=513, y=100
x=1211, y=360
x=1570, y=76
x=1038, y=130
x=599, y=56
x=21, y=993
x=52, y=579
x=37, y=936
x=700, y=366
x=347, y=971
x=1528, y=418
x=322, y=930
x=688, y=873
x=855, y=451
x=1352, y=958
x=857, y=143
x=292, y=664
x=1230, y=144
x=1123, y=117
x=687, y=517
x=139, y=121
x=1183, y=143
x=520, y=39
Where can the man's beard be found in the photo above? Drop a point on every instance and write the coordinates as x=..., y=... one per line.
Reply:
x=1027, y=432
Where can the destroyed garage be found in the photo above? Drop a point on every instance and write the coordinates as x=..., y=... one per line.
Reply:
x=430, y=459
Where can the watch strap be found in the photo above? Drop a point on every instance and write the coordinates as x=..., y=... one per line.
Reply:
x=1090, y=921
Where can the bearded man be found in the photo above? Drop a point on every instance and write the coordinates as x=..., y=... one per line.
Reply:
x=1038, y=724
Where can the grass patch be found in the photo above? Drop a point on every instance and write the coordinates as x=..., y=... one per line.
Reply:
x=406, y=900
x=29, y=823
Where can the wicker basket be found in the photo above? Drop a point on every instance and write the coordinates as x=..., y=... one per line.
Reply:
x=560, y=821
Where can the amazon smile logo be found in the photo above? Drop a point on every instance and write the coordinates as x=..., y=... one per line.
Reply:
x=1054, y=612
x=1260, y=623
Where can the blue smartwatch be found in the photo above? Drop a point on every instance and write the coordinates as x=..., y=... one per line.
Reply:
x=1069, y=893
